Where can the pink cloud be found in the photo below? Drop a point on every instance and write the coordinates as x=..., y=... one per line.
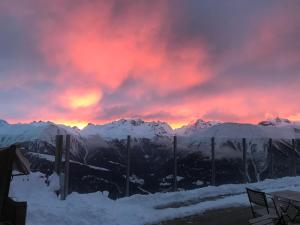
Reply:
x=94, y=47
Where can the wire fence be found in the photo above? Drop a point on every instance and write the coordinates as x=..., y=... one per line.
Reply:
x=134, y=165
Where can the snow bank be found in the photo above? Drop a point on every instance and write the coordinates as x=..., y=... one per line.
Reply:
x=45, y=208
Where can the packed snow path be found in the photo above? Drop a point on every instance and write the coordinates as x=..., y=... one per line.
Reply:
x=85, y=209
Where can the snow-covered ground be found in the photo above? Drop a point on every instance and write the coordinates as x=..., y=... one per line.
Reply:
x=85, y=209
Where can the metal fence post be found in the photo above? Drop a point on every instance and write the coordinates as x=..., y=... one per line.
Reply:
x=270, y=151
x=67, y=166
x=175, y=163
x=213, y=164
x=294, y=155
x=128, y=166
x=58, y=153
x=245, y=160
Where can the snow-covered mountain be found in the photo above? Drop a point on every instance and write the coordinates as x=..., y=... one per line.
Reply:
x=137, y=128
x=238, y=130
x=120, y=129
x=195, y=127
x=40, y=135
x=281, y=128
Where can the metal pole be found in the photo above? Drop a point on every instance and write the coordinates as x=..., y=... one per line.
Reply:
x=245, y=160
x=67, y=164
x=213, y=164
x=60, y=166
x=294, y=156
x=271, y=157
x=58, y=153
x=175, y=163
x=128, y=166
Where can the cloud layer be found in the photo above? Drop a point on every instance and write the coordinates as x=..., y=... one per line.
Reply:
x=95, y=61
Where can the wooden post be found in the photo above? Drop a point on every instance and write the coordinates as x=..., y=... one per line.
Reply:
x=128, y=166
x=58, y=153
x=175, y=163
x=294, y=157
x=67, y=166
x=271, y=157
x=213, y=164
x=245, y=160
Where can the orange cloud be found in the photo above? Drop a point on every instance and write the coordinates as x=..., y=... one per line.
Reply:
x=83, y=101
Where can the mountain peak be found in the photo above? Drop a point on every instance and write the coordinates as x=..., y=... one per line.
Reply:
x=195, y=126
x=276, y=122
x=134, y=127
x=133, y=122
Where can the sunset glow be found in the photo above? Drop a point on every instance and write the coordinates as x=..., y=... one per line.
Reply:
x=85, y=100
x=78, y=124
x=174, y=61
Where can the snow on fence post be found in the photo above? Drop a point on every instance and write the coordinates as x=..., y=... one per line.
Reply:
x=213, y=164
x=271, y=158
x=294, y=156
x=67, y=166
x=128, y=166
x=175, y=162
x=245, y=160
x=58, y=153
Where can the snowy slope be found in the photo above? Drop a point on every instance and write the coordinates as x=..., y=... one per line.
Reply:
x=95, y=208
x=122, y=128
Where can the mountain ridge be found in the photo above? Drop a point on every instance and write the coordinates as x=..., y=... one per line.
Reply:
x=138, y=128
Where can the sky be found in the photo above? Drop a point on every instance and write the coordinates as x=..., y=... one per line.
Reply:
x=81, y=61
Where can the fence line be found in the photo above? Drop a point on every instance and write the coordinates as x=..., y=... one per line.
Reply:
x=63, y=168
